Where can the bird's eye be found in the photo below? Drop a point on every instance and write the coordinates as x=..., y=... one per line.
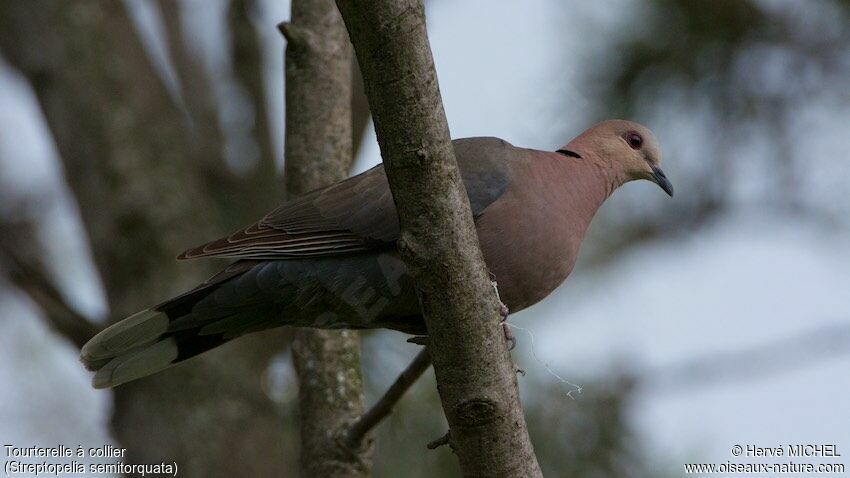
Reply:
x=634, y=140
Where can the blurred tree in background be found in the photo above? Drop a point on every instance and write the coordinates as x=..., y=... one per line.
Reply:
x=743, y=71
x=157, y=165
x=148, y=180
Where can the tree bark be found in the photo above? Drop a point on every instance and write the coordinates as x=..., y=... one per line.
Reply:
x=318, y=151
x=130, y=162
x=475, y=375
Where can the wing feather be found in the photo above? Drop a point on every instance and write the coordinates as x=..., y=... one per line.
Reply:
x=357, y=214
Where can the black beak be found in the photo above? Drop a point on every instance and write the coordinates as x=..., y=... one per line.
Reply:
x=659, y=177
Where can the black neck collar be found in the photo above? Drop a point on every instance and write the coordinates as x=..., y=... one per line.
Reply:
x=567, y=152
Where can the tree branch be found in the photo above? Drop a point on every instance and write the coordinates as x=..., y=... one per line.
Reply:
x=59, y=314
x=196, y=90
x=443, y=440
x=318, y=152
x=23, y=269
x=385, y=404
x=318, y=96
x=438, y=242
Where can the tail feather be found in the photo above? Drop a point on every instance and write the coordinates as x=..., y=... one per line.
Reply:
x=148, y=341
x=138, y=330
x=137, y=363
x=142, y=345
x=156, y=338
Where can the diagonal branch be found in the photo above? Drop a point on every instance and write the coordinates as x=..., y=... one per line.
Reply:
x=23, y=269
x=60, y=315
x=248, y=68
x=385, y=404
x=196, y=90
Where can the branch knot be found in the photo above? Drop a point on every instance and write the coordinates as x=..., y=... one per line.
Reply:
x=476, y=412
x=299, y=37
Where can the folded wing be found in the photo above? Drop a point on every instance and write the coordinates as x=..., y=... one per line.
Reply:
x=357, y=214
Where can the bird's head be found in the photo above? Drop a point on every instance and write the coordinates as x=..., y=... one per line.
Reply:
x=630, y=149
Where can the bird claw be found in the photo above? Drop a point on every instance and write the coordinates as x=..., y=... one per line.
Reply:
x=509, y=336
x=503, y=309
x=504, y=312
x=424, y=340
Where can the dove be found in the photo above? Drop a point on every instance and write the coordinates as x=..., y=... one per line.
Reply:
x=328, y=259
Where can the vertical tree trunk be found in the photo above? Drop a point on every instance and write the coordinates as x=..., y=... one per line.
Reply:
x=475, y=375
x=319, y=152
x=130, y=162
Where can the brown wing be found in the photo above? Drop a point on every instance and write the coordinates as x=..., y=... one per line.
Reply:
x=356, y=214
x=353, y=215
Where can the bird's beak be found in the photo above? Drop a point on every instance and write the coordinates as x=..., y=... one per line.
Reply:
x=661, y=179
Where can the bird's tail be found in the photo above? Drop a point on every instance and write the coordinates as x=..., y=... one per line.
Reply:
x=154, y=339
x=141, y=345
x=130, y=349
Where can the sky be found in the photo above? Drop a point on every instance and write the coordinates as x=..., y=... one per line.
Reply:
x=748, y=279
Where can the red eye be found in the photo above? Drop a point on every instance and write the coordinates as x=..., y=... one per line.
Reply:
x=634, y=140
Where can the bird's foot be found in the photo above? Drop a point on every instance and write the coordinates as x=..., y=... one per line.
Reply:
x=424, y=340
x=504, y=312
x=509, y=335
x=503, y=309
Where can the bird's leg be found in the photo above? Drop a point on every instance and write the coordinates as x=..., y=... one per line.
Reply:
x=503, y=312
x=509, y=336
